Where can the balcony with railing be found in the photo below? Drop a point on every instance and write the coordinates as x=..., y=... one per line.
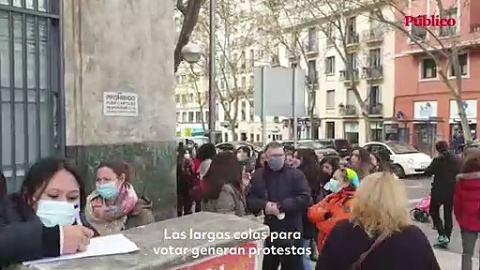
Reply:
x=294, y=54
x=351, y=110
x=311, y=48
x=372, y=73
x=372, y=36
x=352, y=40
x=346, y=76
x=375, y=109
x=447, y=31
x=312, y=78
x=330, y=41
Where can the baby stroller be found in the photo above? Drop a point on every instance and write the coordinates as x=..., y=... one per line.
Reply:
x=421, y=211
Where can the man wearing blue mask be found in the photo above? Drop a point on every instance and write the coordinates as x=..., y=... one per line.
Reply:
x=283, y=194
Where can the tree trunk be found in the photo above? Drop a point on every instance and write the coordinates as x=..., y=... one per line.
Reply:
x=367, y=127
x=467, y=133
x=233, y=129
x=313, y=102
x=204, y=126
x=457, y=94
x=361, y=103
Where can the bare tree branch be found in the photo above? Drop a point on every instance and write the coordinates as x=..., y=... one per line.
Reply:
x=200, y=98
x=190, y=18
x=235, y=27
x=444, y=51
x=181, y=7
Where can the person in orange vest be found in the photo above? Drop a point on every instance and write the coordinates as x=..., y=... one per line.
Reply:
x=336, y=206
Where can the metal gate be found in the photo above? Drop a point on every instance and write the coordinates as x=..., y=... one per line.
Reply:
x=31, y=104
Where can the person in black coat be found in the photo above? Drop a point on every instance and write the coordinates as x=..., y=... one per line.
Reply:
x=282, y=192
x=444, y=168
x=44, y=219
x=3, y=185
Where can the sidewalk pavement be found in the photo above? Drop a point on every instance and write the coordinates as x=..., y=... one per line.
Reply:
x=451, y=261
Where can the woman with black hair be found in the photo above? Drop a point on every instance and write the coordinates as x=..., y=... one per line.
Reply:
x=444, y=168
x=184, y=181
x=206, y=152
x=360, y=162
x=3, y=185
x=306, y=161
x=381, y=162
x=328, y=165
x=44, y=219
x=260, y=161
x=224, y=188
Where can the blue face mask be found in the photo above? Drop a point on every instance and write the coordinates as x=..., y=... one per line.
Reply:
x=108, y=190
x=276, y=163
x=53, y=213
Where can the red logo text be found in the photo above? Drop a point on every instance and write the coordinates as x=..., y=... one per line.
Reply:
x=432, y=20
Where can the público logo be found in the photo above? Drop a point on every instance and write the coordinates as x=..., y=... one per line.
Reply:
x=426, y=20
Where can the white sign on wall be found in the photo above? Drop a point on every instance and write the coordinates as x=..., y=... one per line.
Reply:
x=120, y=104
x=470, y=107
x=425, y=109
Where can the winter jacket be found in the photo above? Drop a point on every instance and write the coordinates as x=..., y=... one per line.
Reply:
x=287, y=187
x=3, y=185
x=466, y=204
x=230, y=201
x=328, y=212
x=445, y=169
x=408, y=249
x=23, y=236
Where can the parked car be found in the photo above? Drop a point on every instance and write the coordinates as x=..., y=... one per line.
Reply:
x=342, y=146
x=406, y=159
x=320, y=149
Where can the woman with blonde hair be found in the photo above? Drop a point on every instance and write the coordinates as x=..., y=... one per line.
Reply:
x=379, y=233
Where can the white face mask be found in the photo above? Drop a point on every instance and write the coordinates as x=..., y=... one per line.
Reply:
x=53, y=213
x=187, y=156
x=333, y=186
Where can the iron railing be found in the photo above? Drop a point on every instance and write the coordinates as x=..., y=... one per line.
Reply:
x=32, y=99
x=373, y=72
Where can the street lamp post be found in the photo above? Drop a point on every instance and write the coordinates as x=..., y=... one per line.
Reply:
x=212, y=101
x=192, y=54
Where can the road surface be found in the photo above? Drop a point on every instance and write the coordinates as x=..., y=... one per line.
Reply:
x=417, y=188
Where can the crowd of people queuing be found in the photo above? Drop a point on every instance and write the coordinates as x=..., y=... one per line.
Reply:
x=351, y=212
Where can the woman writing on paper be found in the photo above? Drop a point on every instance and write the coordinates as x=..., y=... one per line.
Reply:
x=43, y=219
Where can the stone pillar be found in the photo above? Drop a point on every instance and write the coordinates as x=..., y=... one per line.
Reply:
x=122, y=47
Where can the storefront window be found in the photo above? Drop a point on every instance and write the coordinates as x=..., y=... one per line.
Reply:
x=351, y=132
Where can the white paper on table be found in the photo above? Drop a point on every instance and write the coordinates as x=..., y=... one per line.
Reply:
x=99, y=246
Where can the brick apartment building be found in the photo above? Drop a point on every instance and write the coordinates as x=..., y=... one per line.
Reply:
x=422, y=100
